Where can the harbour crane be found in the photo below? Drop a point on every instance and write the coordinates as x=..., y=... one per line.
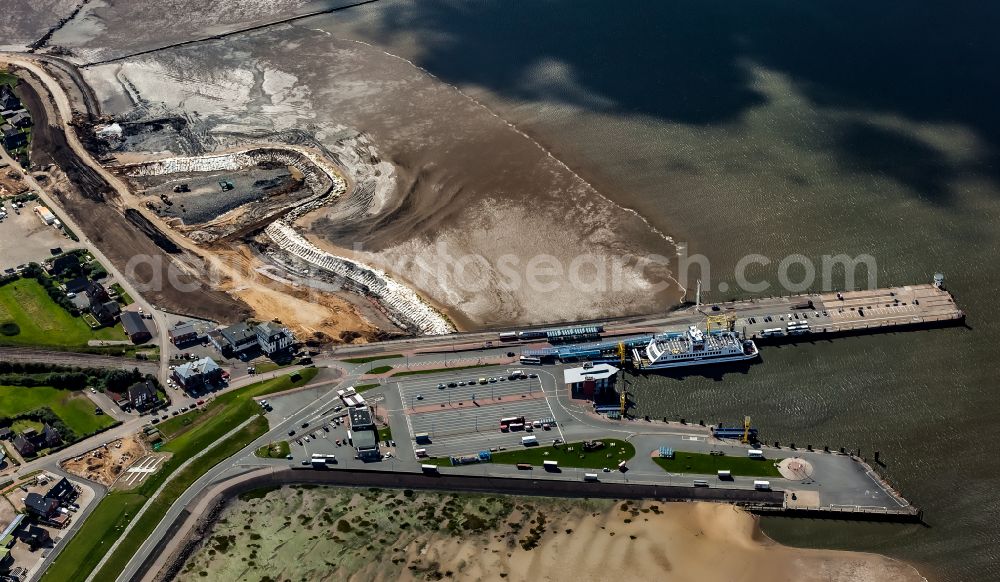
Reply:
x=746, y=430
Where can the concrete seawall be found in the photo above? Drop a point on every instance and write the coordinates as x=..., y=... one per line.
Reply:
x=452, y=483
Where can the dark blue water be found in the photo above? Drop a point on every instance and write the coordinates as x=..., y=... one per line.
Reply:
x=779, y=128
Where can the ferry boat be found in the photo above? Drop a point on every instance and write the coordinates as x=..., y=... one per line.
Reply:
x=693, y=347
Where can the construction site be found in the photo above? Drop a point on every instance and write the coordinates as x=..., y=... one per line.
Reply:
x=110, y=463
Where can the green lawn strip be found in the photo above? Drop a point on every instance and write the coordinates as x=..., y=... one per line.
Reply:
x=102, y=527
x=438, y=370
x=229, y=409
x=704, y=464
x=43, y=322
x=371, y=359
x=379, y=369
x=385, y=433
x=269, y=367
x=275, y=450
x=123, y=297
x=144, y=527
x=363, y=387
x=617, y=449
x=74, y=408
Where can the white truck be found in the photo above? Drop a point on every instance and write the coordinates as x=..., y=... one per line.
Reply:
x=762, y=485
x=529, y=441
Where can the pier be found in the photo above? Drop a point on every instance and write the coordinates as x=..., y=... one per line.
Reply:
x=850, y=313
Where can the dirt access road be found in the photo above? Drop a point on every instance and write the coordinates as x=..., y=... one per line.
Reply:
x=211, y=285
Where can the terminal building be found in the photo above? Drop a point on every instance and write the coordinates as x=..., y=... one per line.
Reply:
x=364, y=435
x=590, y=380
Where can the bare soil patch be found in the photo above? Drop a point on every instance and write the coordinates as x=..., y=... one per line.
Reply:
x=105, y=463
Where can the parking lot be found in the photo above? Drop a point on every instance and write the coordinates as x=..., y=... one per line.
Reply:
x=24, y=238
x=465, y=419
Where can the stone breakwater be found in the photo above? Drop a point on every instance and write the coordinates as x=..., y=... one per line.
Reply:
x=402, y=304
x=319, y=177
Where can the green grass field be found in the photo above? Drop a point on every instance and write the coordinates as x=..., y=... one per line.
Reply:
x=704, y=464
x=42, y=321
x=74, y=408
x=362, y=387
x=277, y=450
x=379, y=369
x=371, y=359
x=567, y=455
x=199, y=433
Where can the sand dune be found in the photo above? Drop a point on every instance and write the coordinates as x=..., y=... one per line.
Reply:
x=344, y=534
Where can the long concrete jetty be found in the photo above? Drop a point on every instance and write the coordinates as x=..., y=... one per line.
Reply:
x=849, y=312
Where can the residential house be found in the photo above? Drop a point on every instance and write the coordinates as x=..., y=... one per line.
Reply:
x=96, y=292
x=48, y=438
x=24, y=446
x=198, y=374
x=142, y=396
x=76, y=285
x=235, y=339
x=63, y=491
x=183, y=333
x=8, y=101
x=41, y=506
x=13, y=138
x=273, y=337
x=6, y=433
x=105, y=311
x=135, y=327
x=34, y=536
x=21, y=119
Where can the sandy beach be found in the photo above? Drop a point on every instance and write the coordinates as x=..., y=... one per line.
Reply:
x=302, y=533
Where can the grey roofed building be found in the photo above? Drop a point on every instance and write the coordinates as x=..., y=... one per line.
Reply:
x=105, y=311
x=135, y=327
x=8, y=101
x=63, y=491
x=197, y=374
x=142, y=395
x=183, y=332
x=39, y=505
x=366, y=442
x=13, y=138
x=76, y=284
x=361, y=418
x=20, y=119
x=273, y=337
x=34, y=536
x=234, y=339
x=24, y=446
x=49, y=437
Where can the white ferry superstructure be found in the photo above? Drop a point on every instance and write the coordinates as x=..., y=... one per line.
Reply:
x=693, y=347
